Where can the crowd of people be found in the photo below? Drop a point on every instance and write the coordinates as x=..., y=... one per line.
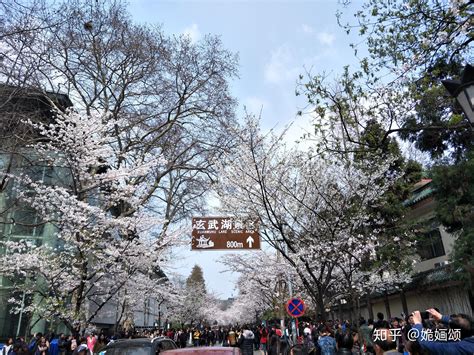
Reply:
x=61, y=344
x=248, y=338
x=420, y=333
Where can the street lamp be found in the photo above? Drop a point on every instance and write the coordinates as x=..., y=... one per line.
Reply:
x=463, y=91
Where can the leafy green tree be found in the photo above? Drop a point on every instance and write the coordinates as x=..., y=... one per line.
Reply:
x=437, y=125
x=407, y=37
x=194, y=296
x=420, y=43
x=454, y=185
x=412, y=46
x=389, y=217
x=196, y=281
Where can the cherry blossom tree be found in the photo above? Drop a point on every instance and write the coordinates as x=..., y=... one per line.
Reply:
x=94, y=251
x=150, y=95
x=165, y=94
x=262, y=285
x=152, y=291
x=191, y=299
x=319, y=214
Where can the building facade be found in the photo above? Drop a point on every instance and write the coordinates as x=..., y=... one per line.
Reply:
x=20, y=222
x=434, y=283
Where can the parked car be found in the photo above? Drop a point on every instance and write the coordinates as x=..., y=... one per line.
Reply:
x=139, y=346
x=204, y=350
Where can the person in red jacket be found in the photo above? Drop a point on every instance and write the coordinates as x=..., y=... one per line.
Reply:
x=263, y=340
x=91, y=340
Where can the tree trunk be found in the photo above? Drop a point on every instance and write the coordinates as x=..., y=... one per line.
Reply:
x=354, y=309
x=358, y=311
x=321, y=312
x=387, y=306
x=404, y=302
x=369, y=307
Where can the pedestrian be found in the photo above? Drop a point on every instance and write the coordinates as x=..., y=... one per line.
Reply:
x=62, y=344
x=246, y=341
x=91, y=340
x=81, y=343
x=43, y=346
x=256, y=340
x=264, y=340
x=73, y=344
x=221, y=337
x=53, y=345
x=381, y=322
x=182, y=338
x=384, y=342
x=274, y=343
x=101, y=343
x=461, y=323
x=232, y=337
x=20, y=347
x=326, y=342
x=211, y=337
x=196, y=337
x=82, y=349
x=204, y=338
x=8, y=348
x=308, y=344
x=345, y=343
x=365, y=336
x=33, y=344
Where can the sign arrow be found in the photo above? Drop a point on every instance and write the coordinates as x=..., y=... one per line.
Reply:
x=250, y=241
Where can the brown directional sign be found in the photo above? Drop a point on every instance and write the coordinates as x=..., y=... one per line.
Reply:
x=224, y=233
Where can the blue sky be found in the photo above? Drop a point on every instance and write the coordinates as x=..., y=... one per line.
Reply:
x=276, y=41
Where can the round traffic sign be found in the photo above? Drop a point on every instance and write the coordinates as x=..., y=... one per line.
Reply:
x=295, y=307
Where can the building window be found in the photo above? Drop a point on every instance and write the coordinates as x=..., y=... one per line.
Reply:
x=431, y=245
x=23, y=221
x=27, y=223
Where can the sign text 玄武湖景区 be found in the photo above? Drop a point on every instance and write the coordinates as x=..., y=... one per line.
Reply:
x=225, y=233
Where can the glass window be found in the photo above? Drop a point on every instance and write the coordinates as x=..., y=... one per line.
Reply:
x=133, y=350
x=166, y=345
x=431, y=245
x=26, y=223
x=3, y=162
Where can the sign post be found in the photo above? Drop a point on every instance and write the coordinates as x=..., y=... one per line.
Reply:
x=295, y=308
x=225, y=233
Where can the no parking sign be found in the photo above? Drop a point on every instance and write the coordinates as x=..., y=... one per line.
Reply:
x=295, y=307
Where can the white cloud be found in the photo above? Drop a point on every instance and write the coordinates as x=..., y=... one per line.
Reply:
x=326, y=38
x=192, y=32
x=281, y=66
x=307, y=28
x=299, y=127
x=255, y=105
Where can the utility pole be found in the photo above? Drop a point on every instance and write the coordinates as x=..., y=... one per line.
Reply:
x=280, y=296
x=294, y=329
x=21, y=314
